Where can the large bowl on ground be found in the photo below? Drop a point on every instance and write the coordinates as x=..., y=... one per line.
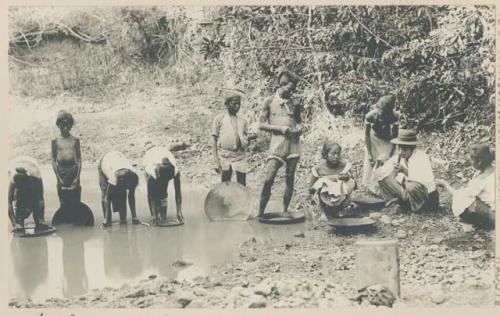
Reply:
x=282, y=218
x=228, y=201
x=76, y=213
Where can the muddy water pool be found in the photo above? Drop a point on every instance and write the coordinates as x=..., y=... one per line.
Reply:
x=75, y=260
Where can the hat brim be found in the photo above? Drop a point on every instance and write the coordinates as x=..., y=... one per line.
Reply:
x=399, y=142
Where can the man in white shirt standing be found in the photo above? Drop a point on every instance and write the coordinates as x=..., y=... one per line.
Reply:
x=407, y=177
x=160, y=167
x=116, y=176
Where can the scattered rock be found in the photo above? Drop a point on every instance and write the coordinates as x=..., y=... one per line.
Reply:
x=181, y=264
x=438, y=297
x=300, y=234
x=285, y=289
x=437, y=240
x=433, y=248
x=184, y=298
x=395, y=223
x=179, y=146
x=385, y=219
x=197, y=303
x=264, y=288
x=136, y=294
x=400, y=234
x=257, y=301
x=152, y=276
x=375, y=215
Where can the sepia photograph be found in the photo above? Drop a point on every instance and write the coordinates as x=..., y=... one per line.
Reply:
x=263, y=156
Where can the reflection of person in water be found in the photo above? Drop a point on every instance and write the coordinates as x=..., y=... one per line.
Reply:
x=30, y=262
x=73, y=252
x=122, y=253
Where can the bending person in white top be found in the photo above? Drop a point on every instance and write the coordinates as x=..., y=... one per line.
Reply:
x=25, y=194
x=475, y=203
x=160, y=167
x=407, y=177
x=116, y=176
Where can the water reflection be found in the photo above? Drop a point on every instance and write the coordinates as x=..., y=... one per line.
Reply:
x=75, y=280
x=122, y=252
x=30, y=262
x=167, y=247
x=95, y=258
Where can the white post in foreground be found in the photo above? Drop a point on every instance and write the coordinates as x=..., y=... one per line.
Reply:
x=377, y=262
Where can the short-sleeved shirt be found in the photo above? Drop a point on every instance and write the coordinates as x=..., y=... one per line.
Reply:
x=154, y=157
x=382, y=125
x=419, y=169
x=482, y=187
x=111, y=163
x=228, y=129
x=27, y=163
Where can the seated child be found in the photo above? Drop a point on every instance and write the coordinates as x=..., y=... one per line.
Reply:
x=66, y=160
x=25, y=195
x=332, y=183
x=474, y=204
x=230, y=141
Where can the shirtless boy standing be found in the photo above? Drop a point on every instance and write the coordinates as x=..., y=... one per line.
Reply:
x=280, y=116
x=67, y=160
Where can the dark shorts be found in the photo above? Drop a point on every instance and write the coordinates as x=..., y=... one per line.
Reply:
x=119, y=196
x=157, y=189
x=28, y=200
x=68, y=171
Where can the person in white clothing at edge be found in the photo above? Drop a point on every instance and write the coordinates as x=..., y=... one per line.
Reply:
x=116, y=176
x=160, y=167
x=407, y=177
x=474, y=204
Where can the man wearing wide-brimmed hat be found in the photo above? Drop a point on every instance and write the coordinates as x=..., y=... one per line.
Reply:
x=280, y=116
x=407, y=177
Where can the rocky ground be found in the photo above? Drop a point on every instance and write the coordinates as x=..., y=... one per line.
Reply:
x=440, y=264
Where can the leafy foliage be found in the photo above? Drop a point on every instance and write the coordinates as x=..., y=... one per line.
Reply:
x=439, y=61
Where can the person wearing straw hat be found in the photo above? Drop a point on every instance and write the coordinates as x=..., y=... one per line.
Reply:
x=230, y=140
x=280, y=116
x=407, y=177
x=474, y=204
x=381, y=125
x=160, y=167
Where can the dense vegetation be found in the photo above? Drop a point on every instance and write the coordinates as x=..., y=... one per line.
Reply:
x=438, y=60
